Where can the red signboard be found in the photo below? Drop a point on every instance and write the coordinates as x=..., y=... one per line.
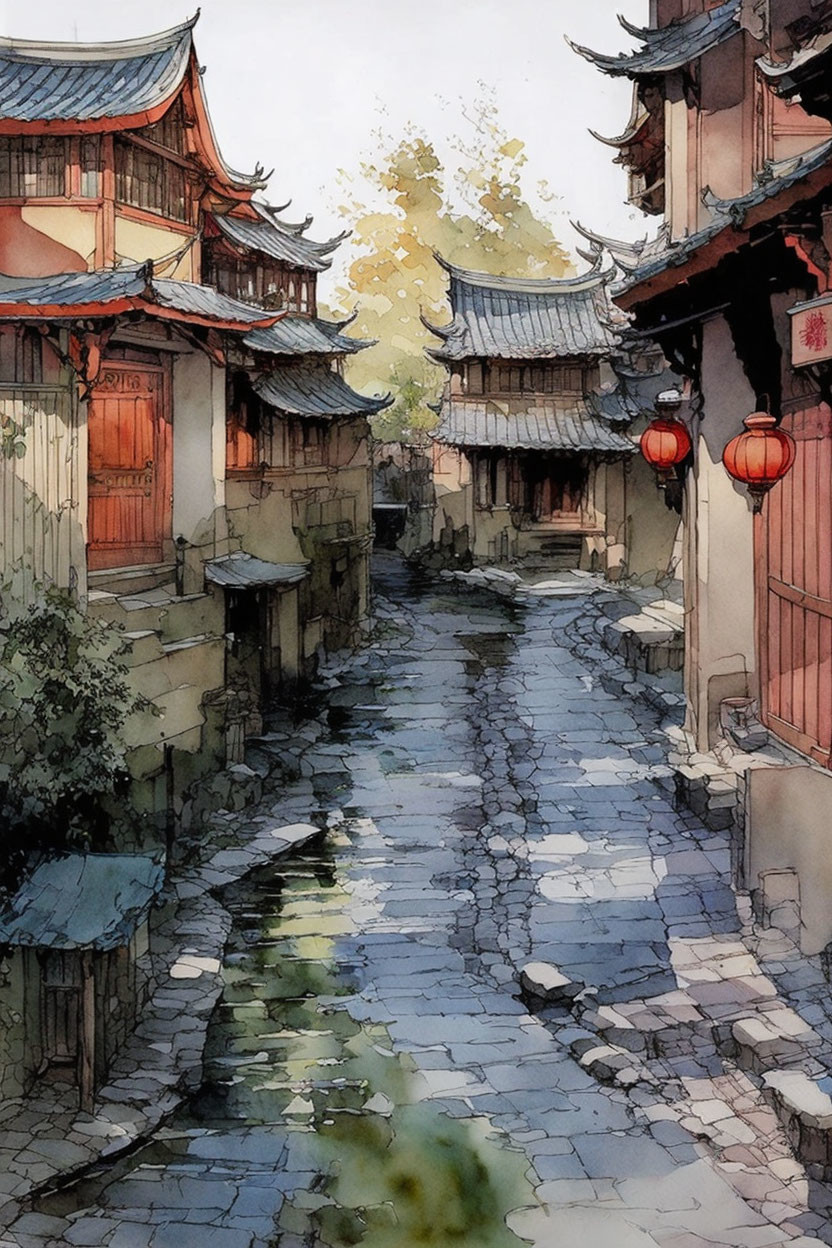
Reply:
x=811, y=331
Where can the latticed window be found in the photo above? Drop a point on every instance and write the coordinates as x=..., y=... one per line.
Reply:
x=169, y=131
x=32, y=166
x=91, y=166
x=147, y=180
x=21, y=355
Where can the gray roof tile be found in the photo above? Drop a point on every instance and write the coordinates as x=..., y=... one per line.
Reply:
x=84, y=82
x=526, y=318
x=282, y=242
x=82, y=901
x=313, y=389
x=673, y=46
x=536, y=424
x=305, y=335
x=109, y=286
x=243, y=571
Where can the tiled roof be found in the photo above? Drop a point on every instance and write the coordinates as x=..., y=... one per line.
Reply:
x=526, y=318
x=776, y=177
x=83, y=82
x=313, y=389
x=533, y=424
x=118, y=290
x=82, y=901
x=305, y=335
x=283, y=242
x=243, y=571
x=673, y=46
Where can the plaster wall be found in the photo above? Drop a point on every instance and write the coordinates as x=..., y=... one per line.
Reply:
x=789, y=829
x=198, y=446
x=719, y=548
x=135, y=241
x=652, y=528
x=71, y=226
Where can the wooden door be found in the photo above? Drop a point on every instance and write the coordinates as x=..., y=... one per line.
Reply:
x=61, y=1002
x=794, y=591
x=129, y=466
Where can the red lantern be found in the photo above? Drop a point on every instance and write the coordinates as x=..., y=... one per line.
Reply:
x=761, y=456
x=664, y=444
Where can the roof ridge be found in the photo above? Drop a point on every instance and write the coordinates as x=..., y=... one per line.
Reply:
x=70, y=51
x=595, y=276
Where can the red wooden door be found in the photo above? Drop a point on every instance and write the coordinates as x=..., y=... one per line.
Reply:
x=129, y=466
x=794, y=591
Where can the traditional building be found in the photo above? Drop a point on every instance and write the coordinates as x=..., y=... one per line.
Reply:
x=533, y=452
x=735, y=289
x=180, y=447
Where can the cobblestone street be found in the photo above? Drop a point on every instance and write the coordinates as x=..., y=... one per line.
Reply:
x=487, y=800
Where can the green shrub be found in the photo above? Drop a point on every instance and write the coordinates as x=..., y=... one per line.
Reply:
x=64, y=700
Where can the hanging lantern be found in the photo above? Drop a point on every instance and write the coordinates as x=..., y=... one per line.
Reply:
x=664, y=444
x=759, y=457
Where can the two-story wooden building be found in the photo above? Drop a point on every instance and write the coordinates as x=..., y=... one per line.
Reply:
x=730, y=140
x=533, y=454
x=179, y=446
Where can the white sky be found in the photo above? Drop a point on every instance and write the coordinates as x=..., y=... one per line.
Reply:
x=302, y=85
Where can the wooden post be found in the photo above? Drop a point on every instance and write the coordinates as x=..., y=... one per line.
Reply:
x=86, y=1049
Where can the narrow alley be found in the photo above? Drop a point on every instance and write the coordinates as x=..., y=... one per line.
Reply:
x=486, y=801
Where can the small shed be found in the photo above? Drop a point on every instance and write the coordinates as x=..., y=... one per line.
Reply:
x=76, y=930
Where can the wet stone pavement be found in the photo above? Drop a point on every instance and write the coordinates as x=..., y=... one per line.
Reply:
x=372, y=1074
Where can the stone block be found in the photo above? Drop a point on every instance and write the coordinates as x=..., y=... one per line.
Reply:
x=547, y=983
x=799, y=1096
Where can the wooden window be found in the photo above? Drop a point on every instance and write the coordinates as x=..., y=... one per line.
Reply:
x=91, y=166
x=474, y=378
x=169, y=131
x=148, y=180
x=243, y=426
x=33, y=167
x=21, y=355
x=311, y=442
x=491, y=479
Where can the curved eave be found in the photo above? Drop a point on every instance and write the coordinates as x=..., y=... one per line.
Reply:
x=629, y=137
x=227, y=180
x=119, y=307
x=726, y=236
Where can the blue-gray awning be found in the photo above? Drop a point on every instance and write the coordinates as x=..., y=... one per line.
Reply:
x=526, y=318
x=673, y=46
x=272, y=237
x=82, y=901
x=305, y=335
x=539, y=424
x=313, y=389
x=83, y=82
x=243, y=571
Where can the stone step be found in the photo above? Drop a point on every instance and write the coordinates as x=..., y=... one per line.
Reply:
x=650, y=642
x=804, y=1106
x=132, y=580
x=772, y=1038
x=173, y=616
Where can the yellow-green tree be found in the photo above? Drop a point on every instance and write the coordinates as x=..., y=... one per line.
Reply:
x=476, y=216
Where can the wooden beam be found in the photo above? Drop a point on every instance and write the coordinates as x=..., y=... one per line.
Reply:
x=86, y=1049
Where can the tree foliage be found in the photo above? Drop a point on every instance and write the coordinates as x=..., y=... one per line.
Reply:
x=476, y=216
x=64, y=701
